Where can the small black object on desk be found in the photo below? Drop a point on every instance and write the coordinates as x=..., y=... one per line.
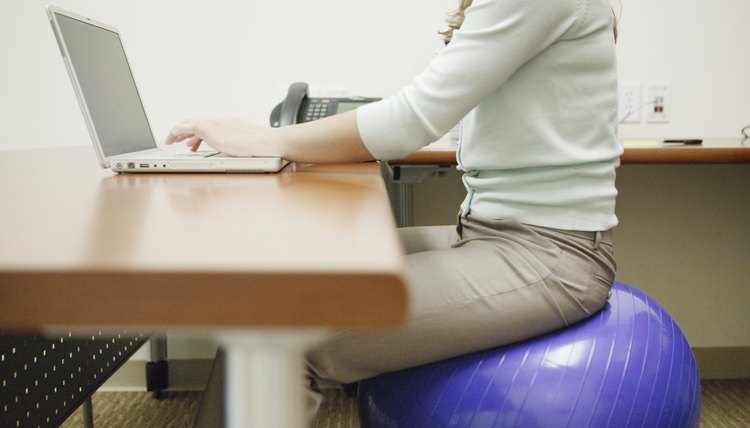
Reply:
x=684, y=141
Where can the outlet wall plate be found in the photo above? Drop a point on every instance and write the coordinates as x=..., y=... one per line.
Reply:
x=629, y=102
x=659, y=99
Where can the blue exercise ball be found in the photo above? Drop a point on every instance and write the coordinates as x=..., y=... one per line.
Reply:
x=627, y=366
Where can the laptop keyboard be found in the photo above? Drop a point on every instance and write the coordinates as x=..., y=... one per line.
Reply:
x=174, y=154
x=194, y=154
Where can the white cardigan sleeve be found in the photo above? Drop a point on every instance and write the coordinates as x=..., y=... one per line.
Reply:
x=496, y=39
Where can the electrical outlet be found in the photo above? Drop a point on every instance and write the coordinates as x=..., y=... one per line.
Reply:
x=659, y=98
x=629, y=108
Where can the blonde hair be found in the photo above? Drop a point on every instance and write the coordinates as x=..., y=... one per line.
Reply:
x=456, y=18
x=616, y=13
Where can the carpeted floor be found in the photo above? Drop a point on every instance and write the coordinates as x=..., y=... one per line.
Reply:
x=726, y=404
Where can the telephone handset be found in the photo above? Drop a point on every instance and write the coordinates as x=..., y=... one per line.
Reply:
x=297, y=107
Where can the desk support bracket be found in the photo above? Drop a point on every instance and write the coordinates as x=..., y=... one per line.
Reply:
x=400, y=181
x=157, y=370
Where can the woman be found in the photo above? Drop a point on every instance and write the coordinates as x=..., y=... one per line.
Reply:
x=534, y=85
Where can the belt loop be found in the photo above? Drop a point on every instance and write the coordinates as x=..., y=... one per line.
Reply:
x=597, y=239
x=459, y=224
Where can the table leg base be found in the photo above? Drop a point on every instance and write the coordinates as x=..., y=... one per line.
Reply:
x=265, y=378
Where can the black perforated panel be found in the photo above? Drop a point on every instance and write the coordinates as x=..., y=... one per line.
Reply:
x=43, y=378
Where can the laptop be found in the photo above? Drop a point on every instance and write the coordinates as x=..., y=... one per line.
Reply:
x=113, y=110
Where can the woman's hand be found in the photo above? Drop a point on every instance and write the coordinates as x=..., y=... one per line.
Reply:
x=233, y=136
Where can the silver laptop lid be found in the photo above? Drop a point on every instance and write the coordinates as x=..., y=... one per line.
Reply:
x=104, y=84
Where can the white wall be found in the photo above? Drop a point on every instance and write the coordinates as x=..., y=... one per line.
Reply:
x=233, y=57
x=193, y=58
x=700, y=47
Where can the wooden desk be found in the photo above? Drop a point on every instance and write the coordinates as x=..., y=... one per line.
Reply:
x=289, y=255
x=731, y=150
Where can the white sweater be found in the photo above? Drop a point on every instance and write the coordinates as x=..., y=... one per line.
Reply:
x=534, y=84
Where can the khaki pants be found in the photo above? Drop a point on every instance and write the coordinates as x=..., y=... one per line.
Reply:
x=479, y=285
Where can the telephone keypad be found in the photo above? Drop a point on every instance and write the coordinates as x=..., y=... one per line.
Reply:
x=317, y=110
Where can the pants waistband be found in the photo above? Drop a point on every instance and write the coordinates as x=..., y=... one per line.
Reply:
x=596, y=237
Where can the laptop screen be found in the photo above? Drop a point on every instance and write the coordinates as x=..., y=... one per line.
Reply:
x=107, y=86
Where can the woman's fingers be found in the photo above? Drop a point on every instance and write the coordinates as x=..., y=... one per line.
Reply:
x=193, y=143
x=181, y=132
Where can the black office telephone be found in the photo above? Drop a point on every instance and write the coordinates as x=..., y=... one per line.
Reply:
x=297, y=107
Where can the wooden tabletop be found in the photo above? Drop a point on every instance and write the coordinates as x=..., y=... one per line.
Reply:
x=79, y=246
x=641, y=152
